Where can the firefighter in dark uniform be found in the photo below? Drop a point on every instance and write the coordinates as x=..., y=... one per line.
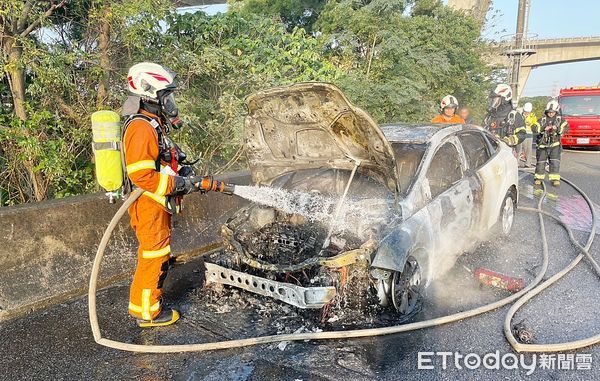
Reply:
x=502, y=119
x=548, y=132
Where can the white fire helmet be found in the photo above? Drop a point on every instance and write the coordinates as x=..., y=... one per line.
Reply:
x=528, y=107
x=552, y=106
x=146, y=79
x=503, y=90
x=449, y=101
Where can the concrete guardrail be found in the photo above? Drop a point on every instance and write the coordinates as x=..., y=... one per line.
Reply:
x=47, y=248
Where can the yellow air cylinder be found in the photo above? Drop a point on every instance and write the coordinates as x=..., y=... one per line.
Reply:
x=106, y=131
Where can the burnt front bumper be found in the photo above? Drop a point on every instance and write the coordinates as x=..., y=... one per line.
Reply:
x=303, y=297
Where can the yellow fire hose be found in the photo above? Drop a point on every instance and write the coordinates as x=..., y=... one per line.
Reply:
x=520, y=297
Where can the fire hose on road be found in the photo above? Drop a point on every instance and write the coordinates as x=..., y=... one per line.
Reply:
x=520, y=298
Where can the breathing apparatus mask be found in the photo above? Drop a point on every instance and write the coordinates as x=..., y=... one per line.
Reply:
x=494, y=101
x=168, y=108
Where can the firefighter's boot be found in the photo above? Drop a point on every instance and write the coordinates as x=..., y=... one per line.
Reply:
x=165, y=317
x=537, y=182
x=556, y=183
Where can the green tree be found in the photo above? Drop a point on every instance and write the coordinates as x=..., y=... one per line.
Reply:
x=399, y=66
x=18, y=20
x=393, y=58
x=71, y=64
x=222, y=59
x=538, y=103
x=293, y=13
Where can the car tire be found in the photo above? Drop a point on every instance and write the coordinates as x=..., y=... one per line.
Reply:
x=406, y=291
x=506, y=218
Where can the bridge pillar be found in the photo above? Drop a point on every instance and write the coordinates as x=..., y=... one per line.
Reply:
x=523, y=76
x=479, y=8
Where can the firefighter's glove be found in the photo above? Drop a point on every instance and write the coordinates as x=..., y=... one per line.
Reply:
x=186, y=171
x=511, y=140
x=550, y=128
x=185, y=185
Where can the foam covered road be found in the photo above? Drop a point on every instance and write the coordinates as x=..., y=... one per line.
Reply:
x=57, y=343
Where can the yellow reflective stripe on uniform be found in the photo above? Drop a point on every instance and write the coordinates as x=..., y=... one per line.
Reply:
x=561, y=129
x=549, y=146
x=148, y=254
x=540, y=176
x=139, y=165
x=146, y=293
x=163, y=183
x=519, y=129
x=553, y=176
x=162, y=200
x=155, y=307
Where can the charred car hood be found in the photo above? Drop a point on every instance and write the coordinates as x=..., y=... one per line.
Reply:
x=313, y=125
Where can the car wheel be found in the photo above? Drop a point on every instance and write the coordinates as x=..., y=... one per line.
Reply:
x=507, y=215
x=406, y=288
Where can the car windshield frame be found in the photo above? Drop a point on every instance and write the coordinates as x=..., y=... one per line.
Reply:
x=401, y=149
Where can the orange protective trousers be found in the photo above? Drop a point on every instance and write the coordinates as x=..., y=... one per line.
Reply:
x=152, y=225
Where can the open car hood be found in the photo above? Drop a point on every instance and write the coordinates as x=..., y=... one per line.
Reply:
x=313, y=125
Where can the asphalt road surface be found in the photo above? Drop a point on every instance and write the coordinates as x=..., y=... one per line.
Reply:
x=57, y=343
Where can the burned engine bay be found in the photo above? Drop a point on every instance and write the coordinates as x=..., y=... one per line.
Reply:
x=301, y=254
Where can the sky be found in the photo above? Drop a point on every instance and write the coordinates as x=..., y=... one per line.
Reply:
x=552, y=19
x=548, y=19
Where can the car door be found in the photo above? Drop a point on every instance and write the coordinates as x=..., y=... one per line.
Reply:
x=485, y=177
x=451, y=207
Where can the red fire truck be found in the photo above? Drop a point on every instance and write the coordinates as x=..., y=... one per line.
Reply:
x=580, y=106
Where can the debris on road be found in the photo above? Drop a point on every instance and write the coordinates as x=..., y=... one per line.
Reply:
x=498, y=280
x=522, y=333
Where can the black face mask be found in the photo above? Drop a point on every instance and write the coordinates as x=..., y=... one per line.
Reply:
x=169, y=109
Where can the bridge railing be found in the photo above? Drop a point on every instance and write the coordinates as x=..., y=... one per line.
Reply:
x=544, y=41
x=519, y=40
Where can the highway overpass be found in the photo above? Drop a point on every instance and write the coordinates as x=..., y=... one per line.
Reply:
x=544, y=52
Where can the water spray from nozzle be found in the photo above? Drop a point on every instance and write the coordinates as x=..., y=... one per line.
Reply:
x=338, y=209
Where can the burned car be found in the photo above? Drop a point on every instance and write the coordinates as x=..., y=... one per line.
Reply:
x=370, y=215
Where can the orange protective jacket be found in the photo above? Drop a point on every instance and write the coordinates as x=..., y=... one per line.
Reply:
x=149, y=217
x=454, y=120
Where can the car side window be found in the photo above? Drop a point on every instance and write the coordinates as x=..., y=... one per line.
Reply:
x=444, y=170
x=476, y=149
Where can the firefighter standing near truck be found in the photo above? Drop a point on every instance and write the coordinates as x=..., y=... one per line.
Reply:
x=502, y=119
x=156, y=165
x=548, y=133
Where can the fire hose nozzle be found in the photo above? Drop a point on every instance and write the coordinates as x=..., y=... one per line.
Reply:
x=228, y=189
x=207, y=183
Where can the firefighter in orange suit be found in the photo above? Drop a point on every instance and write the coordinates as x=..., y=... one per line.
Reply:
x=154, y=164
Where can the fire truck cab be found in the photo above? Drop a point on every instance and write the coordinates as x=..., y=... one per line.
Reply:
x=580, y=106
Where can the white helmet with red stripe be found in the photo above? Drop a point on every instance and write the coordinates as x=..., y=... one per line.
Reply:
x=146, y=79
x=503, y=90
x=502, y=94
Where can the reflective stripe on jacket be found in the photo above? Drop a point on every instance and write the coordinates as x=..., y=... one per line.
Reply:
x=141, y=157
